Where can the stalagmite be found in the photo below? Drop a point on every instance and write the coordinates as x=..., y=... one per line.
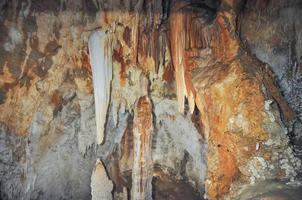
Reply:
x=101, y=185
x=142, y=164
x=100, y=49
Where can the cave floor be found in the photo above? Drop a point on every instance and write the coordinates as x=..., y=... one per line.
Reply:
x=272, y=190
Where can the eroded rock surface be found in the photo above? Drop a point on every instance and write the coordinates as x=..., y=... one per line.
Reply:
x=272, y=31
x=101, y=186
x=184, y=83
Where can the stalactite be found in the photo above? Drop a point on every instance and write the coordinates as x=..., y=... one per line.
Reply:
x=142, y=164
x=101, y=185
x=177, y=40
x=100, y=49
x=149, y=36
x=135, y=29
x=190, y=38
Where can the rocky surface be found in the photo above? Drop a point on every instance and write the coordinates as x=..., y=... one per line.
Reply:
x=185, y=87
x=271, y=189
x=279, y=26
x=101, y=186
x=236, y=96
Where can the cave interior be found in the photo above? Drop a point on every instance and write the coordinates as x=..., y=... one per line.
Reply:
x=150, y=99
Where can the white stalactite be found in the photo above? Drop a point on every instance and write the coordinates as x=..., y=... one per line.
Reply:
x=101, y=185
x=100, y=50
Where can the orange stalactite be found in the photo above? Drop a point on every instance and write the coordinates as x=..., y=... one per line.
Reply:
x=168, y=74
x=190, y=40
x=177, y=43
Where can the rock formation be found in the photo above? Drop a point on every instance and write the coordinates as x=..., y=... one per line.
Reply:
x=100, y=51
x=142, y=171
x=101, y=186
x=159, y=99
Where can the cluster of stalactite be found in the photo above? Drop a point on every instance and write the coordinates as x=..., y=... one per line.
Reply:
x=190, y=37
x=201, y=44
x=194, y=49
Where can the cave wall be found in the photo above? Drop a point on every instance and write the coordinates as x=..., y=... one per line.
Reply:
x=279, y=26
x=47, y=105
x=218, y=118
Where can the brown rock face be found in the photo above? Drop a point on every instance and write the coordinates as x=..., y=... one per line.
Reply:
x=230, y=103
x=232, y=95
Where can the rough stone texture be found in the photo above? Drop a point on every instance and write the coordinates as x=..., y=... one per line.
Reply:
x=173, y=152
x=240, y=129
x=101, y=186
x=272, y=30
x=236, y=135
x=46, y=104
x=270, y=190
x=236, y=97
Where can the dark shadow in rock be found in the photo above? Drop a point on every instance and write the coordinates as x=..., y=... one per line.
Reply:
x=167, y=187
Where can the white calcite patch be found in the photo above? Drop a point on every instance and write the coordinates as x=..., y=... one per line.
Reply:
x=238, y=123
x=15, y=37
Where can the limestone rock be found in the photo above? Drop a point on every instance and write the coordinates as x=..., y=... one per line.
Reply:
x=234, y=128
x=101, y=186
x=231, y=98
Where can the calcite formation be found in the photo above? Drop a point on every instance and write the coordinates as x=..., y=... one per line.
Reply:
x=174, y=99
x=239, y=124
x=101, y=186
x=281, y=30
x=100, y=51
x=142, y=171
